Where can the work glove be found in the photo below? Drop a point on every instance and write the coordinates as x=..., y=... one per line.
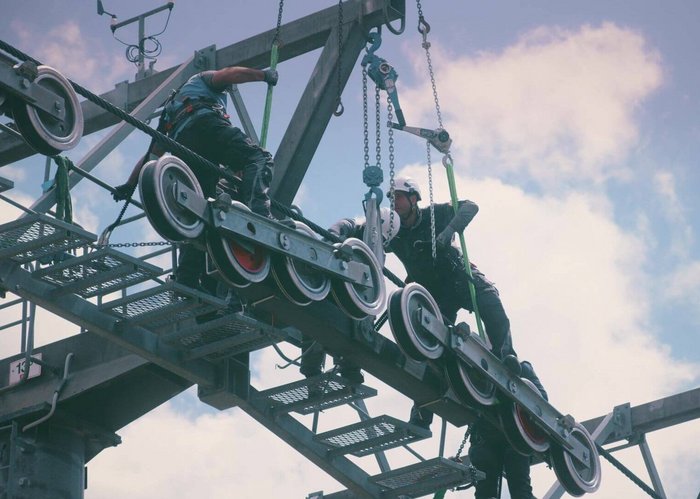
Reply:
x=444, y=239
x=122, y=192
x=271, y=76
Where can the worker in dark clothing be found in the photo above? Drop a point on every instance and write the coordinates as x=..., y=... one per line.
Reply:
x=444, y=276
x=491, y=453
x=196, y=117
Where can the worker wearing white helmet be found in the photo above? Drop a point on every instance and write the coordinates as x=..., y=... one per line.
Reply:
x=445, y=276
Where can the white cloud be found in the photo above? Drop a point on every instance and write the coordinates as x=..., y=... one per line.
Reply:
x=558, y=105
x=681, y=239
x=76, y=55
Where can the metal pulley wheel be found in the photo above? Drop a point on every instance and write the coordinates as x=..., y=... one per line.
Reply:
x=158, y=185
x=44, y=133
x=520, y=429
x=300, y=283
x=470, y=385
x=405, y=305
x=240, y=263
x=576, y=478
x=356, y=300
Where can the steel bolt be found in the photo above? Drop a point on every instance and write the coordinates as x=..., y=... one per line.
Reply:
x=24, y=83
x=343, y=266
x=222, y=215
x=24, y=482
x=512, y=387
x=284, y=241
x=57, y=106
x=183, y=195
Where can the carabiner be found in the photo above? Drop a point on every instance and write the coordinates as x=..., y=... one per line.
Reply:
x=424, y=29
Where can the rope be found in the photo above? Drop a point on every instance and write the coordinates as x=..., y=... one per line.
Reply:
x=163, y=140
x=626, y=471
x=183, y=152
x=447, y=161
x=274, y=57
x=64, y=206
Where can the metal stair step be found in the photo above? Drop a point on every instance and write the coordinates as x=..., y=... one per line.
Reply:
x=224, y=337
x=314, y=394
x=371, y=436
x=427, y=477
x=163, y=305
x=37, y=236
x=97, y=273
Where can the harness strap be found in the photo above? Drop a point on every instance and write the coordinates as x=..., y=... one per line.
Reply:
x=191, y=108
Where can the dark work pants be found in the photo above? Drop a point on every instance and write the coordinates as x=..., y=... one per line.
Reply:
x=492, y=454
x=452, y=298
x=214, y=138
x=493, y=315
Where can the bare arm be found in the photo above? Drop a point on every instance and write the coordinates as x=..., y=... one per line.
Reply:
x=222, y=78
x=125, y=190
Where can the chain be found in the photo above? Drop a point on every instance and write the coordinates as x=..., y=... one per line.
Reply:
x=390, y=118
x=135, y=245
x=339, y=108
x=432, y=202
x=276, y=39
x=365, y=117
x=424, y=29
x=461, y=446
x=377, y=128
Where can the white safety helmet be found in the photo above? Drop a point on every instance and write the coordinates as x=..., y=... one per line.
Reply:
x=389, y=227
x=408, y=185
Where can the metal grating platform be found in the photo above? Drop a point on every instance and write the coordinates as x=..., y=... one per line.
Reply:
x=97, y=273
x=163, y=305
x=427, y=477
x=315, y=394
x=225, y=337
x=371, y=436
x=37, y=236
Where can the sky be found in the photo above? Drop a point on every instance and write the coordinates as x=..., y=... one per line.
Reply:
x=575, y=128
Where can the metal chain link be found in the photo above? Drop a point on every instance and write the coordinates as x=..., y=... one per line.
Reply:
x=377, y=128
x=424, y=29
x=390, y=118
x=464, y=441
x=365, y=117
x=433, y=241
x=135, y=245
x=277, y=39
x=339, y=108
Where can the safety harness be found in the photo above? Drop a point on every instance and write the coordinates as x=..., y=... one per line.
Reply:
x=179, y=112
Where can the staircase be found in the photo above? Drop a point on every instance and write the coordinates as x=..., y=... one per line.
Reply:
x=197, y=336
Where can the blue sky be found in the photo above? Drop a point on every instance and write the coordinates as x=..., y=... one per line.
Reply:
x=575, y=128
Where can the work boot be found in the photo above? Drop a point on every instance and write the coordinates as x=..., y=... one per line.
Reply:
x=512, y=364
x=421, y=417
x=353, y=375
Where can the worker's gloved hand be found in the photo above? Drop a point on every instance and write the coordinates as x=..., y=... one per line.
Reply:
x=271, y=76
x=122, y=192
x=444, y=239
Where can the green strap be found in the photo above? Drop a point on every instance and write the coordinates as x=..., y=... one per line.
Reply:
x=447, y=161
x=64, y=206
x=268, y=99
